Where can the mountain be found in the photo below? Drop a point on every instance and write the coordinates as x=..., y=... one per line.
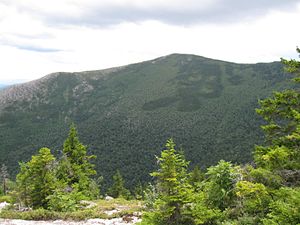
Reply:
x=126, y=114
x=2, y=86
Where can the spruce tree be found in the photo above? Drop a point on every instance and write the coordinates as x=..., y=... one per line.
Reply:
x=75, y=169
x=220, y=188
x=4, y=177
x=174, y=190
x=274, y=201
x=282, y=113
x=196, y=176
x=139, y=191
x=36, y=180
x=118, y=189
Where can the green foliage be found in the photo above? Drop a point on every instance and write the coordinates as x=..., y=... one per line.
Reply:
x=151, y=195
x=220, y=187
x=204, y=214
x=263, y=176
x=274, y=157
x=245, y=220
x=74, y=168
x=38, y=214
x=282, y=113
x=64, y=201
x=83, y=213
x=293, y=66
x=139, y=191
x=36, y=180
x=285, y=209
x=59, y=186
x=196, y=176
x=117, y=189
x=4, y=179
x=174, y=191
x=6, y=198
x=43, y=214
x=254, y=197
x=228, y=195
x=74, y=175
x=281, y=155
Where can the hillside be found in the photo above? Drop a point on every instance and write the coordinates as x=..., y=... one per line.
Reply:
x=126, y=114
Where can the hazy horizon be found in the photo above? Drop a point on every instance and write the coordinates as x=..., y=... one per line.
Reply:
x=39, y=38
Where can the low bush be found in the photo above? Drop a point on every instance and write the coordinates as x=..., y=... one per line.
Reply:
x=6, y=198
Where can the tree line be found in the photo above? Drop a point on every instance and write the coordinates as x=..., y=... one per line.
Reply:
x=59, y=184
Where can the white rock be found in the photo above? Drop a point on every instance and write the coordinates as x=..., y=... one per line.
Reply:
x=3, y=205
x=115, y=221
x=108, y=198
x=111, y=212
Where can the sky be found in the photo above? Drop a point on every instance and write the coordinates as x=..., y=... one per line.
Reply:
x=38, y=37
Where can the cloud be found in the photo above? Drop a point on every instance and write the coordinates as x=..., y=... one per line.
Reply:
x=36, y=48
x=27, y=42
x=187, y=12
x=176, y=12
x=42, y=37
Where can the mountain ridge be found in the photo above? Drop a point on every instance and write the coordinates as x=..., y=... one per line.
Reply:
x=125, y=114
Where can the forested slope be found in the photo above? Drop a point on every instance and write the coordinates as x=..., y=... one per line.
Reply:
x=125, y=114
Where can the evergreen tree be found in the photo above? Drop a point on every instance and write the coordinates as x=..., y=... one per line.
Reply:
x=282, y=114
x=174, y=191
x=117, y=189
x=139, y=191
x=196, y=176
x=75, y=169
x=4, y=178
x=36, y=180
x=220, y=187
x=262, y=194
x=253, y=198
x=285, y=209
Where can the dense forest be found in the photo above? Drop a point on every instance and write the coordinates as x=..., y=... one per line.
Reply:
x=266, y=191
x=125, y=115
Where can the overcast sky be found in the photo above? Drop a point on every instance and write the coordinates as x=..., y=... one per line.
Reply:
x=38, y=37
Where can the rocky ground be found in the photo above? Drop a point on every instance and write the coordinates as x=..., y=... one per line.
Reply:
x=116, y=221
x=109, y=207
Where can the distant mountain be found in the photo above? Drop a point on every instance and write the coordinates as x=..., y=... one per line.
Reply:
x=126, y=114
x=7, y=83
x=2, y=86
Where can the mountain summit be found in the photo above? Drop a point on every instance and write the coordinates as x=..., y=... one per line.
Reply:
x=126, y=114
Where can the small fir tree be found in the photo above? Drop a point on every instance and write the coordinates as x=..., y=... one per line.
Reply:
x=174, y=190
x=118, y=189
x=139, y=191
x=36, y=180
x=196, y=177
x=221, y=184
x=4, y=178
x=75, y=169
